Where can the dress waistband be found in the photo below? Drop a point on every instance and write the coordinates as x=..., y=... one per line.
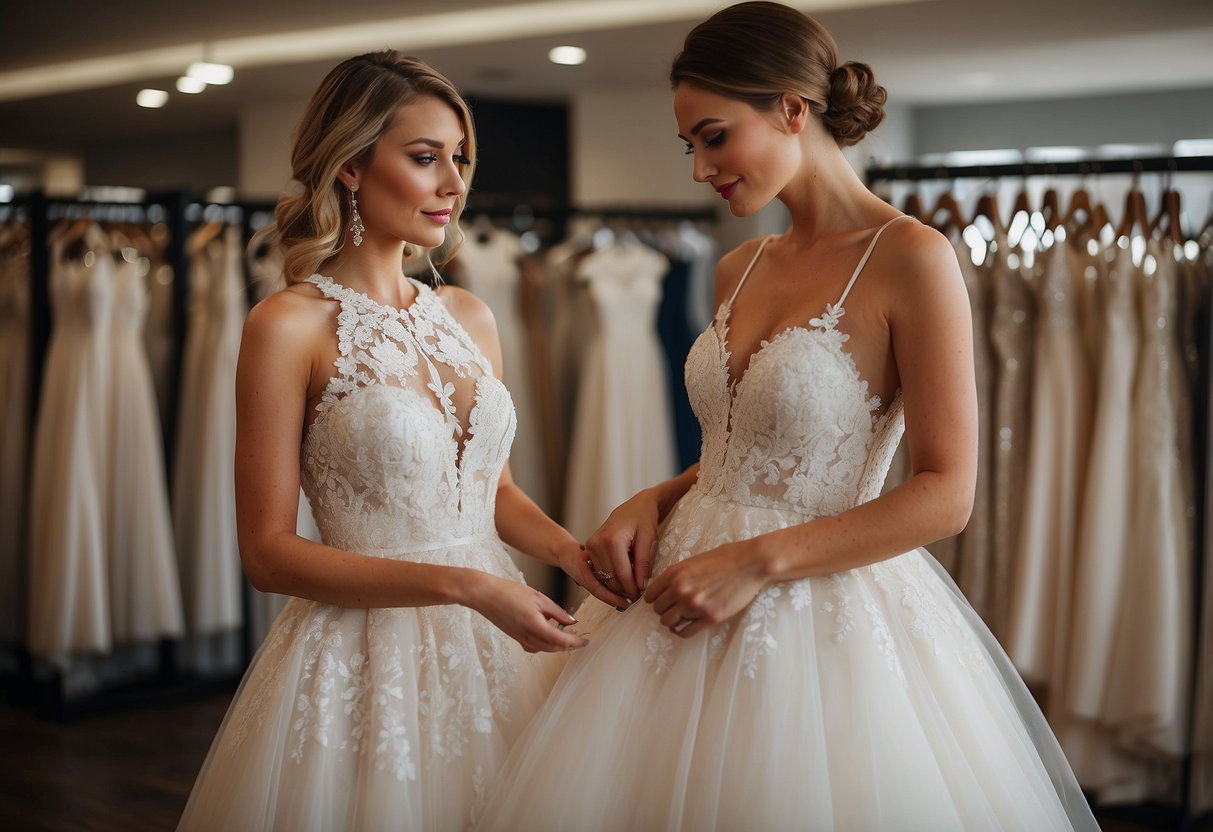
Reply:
x=430, y=547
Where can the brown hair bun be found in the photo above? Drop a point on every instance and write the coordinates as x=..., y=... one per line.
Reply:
x=856, y=103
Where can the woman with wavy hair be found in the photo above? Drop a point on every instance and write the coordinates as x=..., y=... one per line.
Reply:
x=390, y=688
x=800, y=662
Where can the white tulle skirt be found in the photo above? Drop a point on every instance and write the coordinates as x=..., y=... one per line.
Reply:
x=873, y=699
x=365, y=720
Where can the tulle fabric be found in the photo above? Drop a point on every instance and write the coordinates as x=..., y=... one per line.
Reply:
x=872, y=699
x=367, y=720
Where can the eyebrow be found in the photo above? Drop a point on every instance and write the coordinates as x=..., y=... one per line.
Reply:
x=702, y=124
x=434, y=143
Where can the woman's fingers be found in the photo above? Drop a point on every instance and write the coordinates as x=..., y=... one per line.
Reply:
x=609, y=551
x=603, y=592
x=642, y=553
x=552, y=610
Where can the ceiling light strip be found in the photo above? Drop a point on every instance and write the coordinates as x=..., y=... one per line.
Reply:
x=501, y=22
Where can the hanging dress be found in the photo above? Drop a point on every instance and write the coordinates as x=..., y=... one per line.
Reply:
x=623, y=430
x=145, y=592
x=204, y=501
x=68, y=559
x=1011, y=328
x=1150, y=670
x=1042, y=580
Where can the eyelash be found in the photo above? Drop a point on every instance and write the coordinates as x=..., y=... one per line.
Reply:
x=715, y=141
x=430, y=158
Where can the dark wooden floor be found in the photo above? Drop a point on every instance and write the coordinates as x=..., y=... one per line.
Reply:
x=132, y=770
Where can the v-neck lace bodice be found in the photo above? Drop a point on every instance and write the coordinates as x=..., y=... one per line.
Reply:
x=798, y=429
x=391, y=465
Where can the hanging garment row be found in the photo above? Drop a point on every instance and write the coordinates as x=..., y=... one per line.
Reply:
x=102, y=576
x=1091, y=349
x=107, y=570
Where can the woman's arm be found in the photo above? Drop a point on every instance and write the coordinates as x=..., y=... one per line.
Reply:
x=272, y=378
x=932, y=341
x=520, y=522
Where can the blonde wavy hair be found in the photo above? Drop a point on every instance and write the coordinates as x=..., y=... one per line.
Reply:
x=352, y=108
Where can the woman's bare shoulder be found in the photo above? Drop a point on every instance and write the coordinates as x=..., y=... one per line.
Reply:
x=291, y=319
x=732, y=265
x=472, y=313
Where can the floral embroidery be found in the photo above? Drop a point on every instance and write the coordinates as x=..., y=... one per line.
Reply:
x=658, y=645
x=757, y=637
x=830, y=318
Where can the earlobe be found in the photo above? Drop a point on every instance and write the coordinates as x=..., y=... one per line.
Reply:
x=348, y=177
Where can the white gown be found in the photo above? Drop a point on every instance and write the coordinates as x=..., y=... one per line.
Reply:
x=69, y=593
x=869, y=699
x=384, y=719
x=204, y=502
x=623, y=431
x=145, y=592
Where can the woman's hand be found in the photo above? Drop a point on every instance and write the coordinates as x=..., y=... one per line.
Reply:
x=707, y=589
x=622, y=548
x=576, y=563
x=523, y=614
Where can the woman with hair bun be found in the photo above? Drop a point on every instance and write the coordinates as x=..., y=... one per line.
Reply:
x=390, y=688
x=800, y=661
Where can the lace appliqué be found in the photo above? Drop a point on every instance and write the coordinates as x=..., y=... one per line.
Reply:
x=829, y=318
x=758, y=639
x=383, y=464
x=360, y=690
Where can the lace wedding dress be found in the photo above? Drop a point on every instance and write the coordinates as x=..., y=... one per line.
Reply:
x=358, y=719
x=869, y=699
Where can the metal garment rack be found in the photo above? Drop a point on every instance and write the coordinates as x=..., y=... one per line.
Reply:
x=1090, y=167
x=1182, y=817
x=181, y=211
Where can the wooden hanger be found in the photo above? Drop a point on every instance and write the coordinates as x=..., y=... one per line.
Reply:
x=1050, y=208
x=1169, y=223
x=1134, y=215
x=1022, y=205
x=913, y=206
x=987, y=206
x=953, y=219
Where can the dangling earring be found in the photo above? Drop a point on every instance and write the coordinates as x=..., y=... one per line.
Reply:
x=356, y=225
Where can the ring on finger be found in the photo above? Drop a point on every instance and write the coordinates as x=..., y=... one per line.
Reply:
x=682, y=624
x=600, y=574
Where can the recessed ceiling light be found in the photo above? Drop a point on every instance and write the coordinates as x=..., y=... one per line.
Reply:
x=217, y=74
x=152, y=99
x=567, y=55
x=1193, y=147
x=190, y=85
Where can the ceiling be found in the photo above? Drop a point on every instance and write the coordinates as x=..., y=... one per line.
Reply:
x=69, y=71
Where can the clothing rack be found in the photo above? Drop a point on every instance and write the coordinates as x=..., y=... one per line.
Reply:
x=642, y=212
x=1091, y=167
x=181, y=211
x=1182, y=818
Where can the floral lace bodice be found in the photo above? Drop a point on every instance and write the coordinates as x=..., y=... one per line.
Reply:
x=411, y=433
x=799, y=430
